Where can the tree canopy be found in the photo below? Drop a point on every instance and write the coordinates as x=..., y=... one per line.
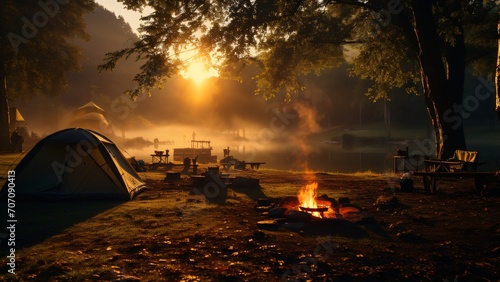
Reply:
x=37, y=49
x=418, y=45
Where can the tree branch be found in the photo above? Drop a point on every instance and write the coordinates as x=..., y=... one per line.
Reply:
x=365, y=5
x=339, y=42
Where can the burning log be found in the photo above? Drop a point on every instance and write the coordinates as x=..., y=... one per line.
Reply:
x=307, y=209
x=309, y=202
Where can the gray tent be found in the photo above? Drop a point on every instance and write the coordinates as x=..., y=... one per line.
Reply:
x=76, y=163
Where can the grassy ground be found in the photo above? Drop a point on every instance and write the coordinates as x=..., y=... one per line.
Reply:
x=171, y=233
x=8, y=162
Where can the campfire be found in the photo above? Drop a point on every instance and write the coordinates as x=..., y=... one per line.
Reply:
x=309, y=202
x=306, y=208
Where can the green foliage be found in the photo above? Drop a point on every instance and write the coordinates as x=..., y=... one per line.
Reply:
x=388, y=56
x=39, y=44
x=386, y=60
x=289, y=39
x=36, y=50
x=285, y=38
x=481, y=38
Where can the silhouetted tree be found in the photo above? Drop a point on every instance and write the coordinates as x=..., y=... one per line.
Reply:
x=36, y=49
x=497, y=73
x=397, y=44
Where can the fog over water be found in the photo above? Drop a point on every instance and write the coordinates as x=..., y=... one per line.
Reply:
x=282, y=152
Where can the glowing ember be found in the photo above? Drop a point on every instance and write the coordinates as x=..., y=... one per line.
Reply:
x=307, y=198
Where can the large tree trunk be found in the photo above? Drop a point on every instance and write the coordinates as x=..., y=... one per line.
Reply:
x=4, y=111
x=455, y=72
x=440, y=95
x=497, y=75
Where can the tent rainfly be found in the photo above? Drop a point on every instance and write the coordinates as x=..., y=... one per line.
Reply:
x=76, y=163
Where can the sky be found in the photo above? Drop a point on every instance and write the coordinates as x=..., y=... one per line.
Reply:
x=133, y=18
x=197, y=71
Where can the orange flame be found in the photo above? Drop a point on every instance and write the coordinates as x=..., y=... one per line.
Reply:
x=307, y=197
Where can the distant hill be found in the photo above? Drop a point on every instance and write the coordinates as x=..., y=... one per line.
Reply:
x=108, y=33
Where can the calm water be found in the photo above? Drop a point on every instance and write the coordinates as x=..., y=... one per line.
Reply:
x=329, y=157
x=320, y=157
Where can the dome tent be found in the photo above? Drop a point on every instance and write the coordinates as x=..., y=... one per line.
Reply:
x=76, y=163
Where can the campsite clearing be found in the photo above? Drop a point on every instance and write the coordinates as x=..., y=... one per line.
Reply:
x=169, y=233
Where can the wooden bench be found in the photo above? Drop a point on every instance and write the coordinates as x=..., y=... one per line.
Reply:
x=481, y=179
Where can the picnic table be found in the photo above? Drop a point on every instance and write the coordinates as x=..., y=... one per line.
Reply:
x=481, y=179
x=449, y=165
x=158, y=158
x=436, y=169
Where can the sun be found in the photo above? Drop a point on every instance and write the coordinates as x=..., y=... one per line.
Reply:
x=198, y=72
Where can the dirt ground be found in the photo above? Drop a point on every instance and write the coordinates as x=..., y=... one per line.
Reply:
x=170, y=233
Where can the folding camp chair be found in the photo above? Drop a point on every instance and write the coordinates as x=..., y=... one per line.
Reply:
x=467, y=161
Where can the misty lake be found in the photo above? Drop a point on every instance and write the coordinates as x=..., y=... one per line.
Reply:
x=329, y=156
